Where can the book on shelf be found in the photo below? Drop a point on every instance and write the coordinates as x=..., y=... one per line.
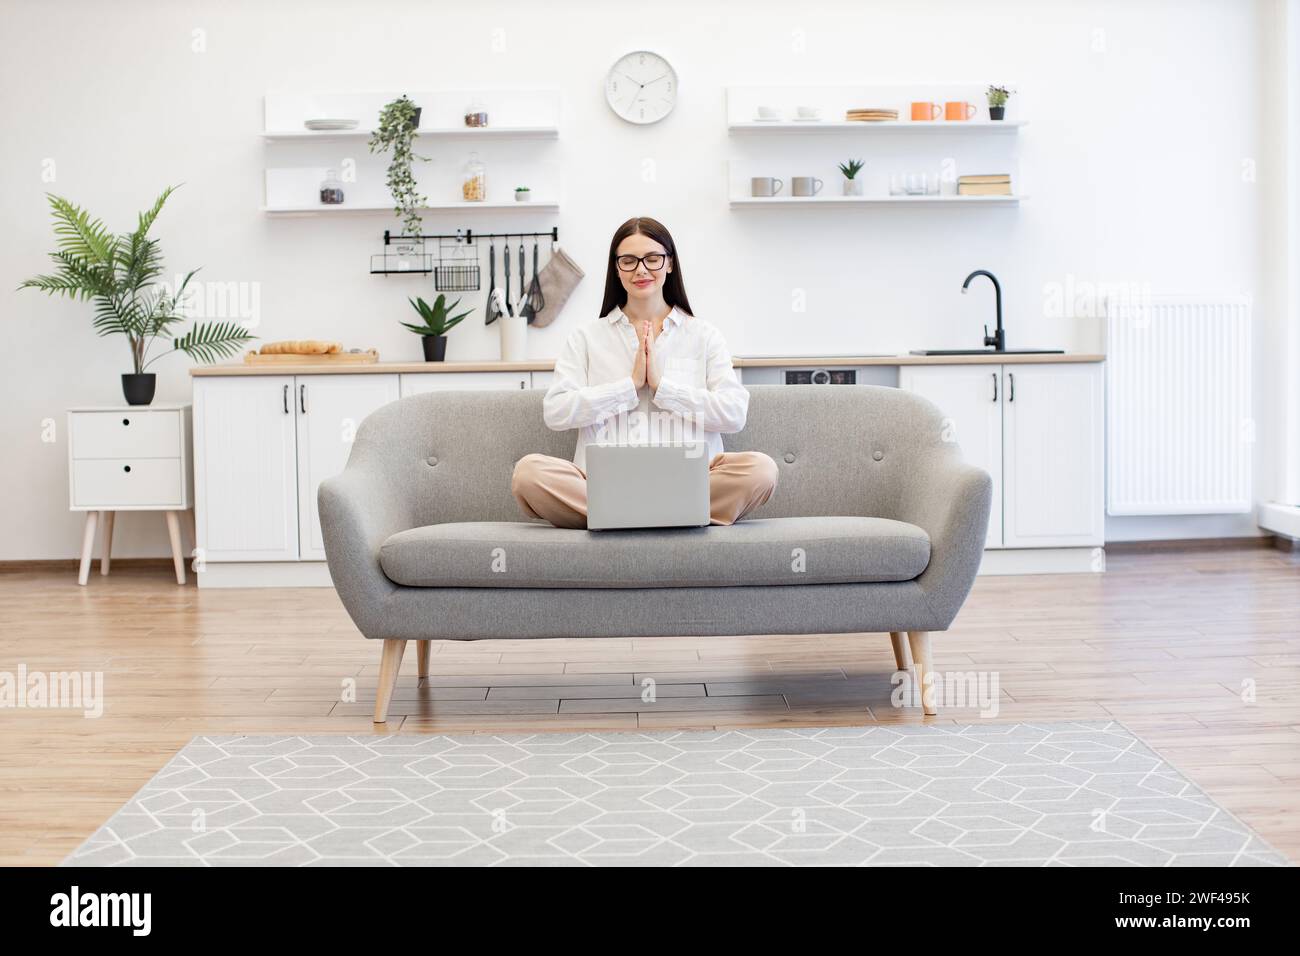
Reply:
x=997, y=184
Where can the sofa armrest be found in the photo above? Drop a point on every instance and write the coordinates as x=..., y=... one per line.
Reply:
x=949, y=499
x=359, y=510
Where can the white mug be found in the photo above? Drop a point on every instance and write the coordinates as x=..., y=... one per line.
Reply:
x=765, y=186
x=805, y=186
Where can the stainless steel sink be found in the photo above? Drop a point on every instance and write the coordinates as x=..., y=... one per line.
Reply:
x=988, y=351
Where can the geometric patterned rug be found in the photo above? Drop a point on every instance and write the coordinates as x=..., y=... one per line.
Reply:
x=1060, y=794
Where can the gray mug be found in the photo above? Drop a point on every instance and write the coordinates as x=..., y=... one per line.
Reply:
x=805, y=186
x=765, y=186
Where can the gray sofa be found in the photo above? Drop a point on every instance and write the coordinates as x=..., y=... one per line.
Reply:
x=876, y=525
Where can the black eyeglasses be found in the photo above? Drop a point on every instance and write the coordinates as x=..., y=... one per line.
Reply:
x=654, y=262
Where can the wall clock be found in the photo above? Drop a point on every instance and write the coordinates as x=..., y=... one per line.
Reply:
x=641, y=87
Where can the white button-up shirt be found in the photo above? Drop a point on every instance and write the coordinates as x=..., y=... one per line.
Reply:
x=699, y=395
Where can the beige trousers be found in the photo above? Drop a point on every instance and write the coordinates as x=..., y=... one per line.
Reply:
x=556, y=490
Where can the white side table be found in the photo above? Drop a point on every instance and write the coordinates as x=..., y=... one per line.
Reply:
x=130, y=458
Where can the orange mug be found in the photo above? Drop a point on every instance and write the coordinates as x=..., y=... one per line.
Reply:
x=957, y=110
x=925, y=112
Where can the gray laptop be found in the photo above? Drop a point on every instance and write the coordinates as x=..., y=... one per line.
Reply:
x=647, y=486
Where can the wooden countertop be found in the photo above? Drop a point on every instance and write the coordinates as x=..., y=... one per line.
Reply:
x=546, y=365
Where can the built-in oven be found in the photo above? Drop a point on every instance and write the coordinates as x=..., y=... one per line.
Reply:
x=820, y=376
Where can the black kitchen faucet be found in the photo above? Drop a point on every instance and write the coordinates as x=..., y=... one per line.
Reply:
x=999, y=338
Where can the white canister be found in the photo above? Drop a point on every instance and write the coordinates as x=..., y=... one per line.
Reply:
x=514, y=331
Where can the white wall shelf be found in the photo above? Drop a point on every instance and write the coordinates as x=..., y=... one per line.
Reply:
x=839, y=126
x=751, y=201
x=893, y=151
x=317, y=209
x=466, y=132
x=515, y=149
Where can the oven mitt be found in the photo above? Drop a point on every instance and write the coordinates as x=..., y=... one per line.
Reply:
x=558, y=278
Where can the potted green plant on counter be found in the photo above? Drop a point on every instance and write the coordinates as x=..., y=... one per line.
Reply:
x=121, y=273
x=523, y=194
x=998, y=96
x=398, y=125
x=850, y=169
x=437, y=322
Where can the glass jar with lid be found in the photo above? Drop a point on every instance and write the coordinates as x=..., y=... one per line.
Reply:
x=331, y=189
x=476, y=113
x=474, y=183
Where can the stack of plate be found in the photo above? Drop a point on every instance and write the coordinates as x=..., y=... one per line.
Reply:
x=867, y=114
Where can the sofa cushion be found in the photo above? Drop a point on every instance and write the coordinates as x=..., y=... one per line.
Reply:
x=837, y=549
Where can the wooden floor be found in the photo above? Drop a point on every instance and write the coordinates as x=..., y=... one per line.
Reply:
x=1164, y=642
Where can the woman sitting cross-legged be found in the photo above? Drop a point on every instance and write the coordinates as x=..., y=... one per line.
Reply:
x=646, y=365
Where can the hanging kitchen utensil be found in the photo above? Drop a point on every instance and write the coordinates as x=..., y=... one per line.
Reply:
x=491, y=312
x=535, y=300
x=505, y=260
x=523, y=278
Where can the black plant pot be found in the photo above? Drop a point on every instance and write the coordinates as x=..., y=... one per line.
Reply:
x=435, y=347
x=139, y=389
x=997, y=112
x=415, y=118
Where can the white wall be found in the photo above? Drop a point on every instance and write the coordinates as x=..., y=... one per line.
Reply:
x=1141, y=116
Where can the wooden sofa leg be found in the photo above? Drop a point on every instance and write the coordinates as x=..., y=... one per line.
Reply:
x=920, y=641
x=899, y=640
x=389, y=665
x=422, y=658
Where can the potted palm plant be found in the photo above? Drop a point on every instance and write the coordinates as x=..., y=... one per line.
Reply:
x=998, y=96
x=437, y=322
x=120, y=273
x=398, y=125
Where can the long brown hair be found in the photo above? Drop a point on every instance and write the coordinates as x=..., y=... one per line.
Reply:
x=674, y=288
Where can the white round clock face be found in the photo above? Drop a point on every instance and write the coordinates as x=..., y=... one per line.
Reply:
x=641, y=87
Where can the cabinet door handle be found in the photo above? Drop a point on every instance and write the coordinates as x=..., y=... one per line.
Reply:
x=302, y=397
x=995, y=386
x=286, y=399
x=1011, y=396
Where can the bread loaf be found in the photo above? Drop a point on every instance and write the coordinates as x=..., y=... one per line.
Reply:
x=301, y=347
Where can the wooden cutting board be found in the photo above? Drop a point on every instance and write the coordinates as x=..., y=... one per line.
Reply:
x=337, y=358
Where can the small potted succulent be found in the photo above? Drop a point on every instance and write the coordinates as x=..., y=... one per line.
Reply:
x=398, y=125
x=523, y=194
x=436, y=324
x=998, y=96
x=850, y=169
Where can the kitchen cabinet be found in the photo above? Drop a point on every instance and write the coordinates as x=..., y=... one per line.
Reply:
x=1037, y=429
x=970, y=397
x=246, y=469
x=262, y=446
x=1053, y=458
x=329, y=410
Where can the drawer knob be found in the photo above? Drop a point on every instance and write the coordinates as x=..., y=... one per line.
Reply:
x=126, y=467
x=126, y=421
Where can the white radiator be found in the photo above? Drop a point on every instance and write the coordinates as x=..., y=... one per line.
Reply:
x=1179, y=432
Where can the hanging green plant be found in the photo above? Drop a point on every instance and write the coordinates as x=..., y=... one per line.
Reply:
x=398, y=123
